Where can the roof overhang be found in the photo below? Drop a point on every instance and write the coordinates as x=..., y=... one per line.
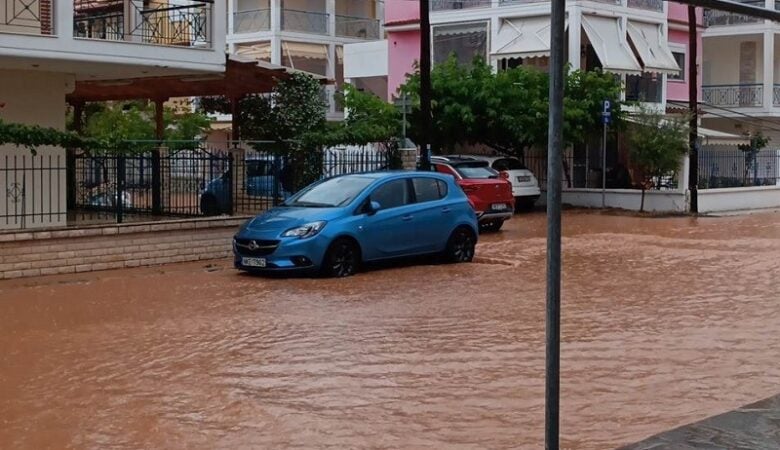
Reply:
x=242, y=76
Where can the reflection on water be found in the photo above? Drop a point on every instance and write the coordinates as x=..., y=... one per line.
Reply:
x=665, y=321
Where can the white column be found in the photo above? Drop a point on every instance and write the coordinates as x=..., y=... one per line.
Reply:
x=63, y=19
x=575, y=36
x=379, y=13
x=276, y=27
x=218, y=31
x=331, y=74
x=330, y=8
x=276, y=16
x=769, y=68
x=231, y=12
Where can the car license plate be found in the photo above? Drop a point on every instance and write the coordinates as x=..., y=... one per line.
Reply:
x=253, y=262
x=499, y=206
x=523, y=179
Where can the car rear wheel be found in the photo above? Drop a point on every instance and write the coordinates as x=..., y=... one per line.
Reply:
x=493, y=225
x=209, y=206
x=342, y=259
x=461, y=246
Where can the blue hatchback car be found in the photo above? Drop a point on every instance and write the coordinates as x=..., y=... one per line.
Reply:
x=338, y=223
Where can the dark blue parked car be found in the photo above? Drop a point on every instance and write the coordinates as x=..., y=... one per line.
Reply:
x=262, y=172
x=336, y=224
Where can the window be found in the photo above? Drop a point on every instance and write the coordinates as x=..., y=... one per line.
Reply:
x=429, y=189
x=338, y=191
x=476, y=170
x=680, y=58
x=643, y=88
x=508, y=164
x=392, y=194
x=465, y=41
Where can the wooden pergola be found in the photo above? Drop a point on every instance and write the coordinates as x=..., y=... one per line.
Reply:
x=242, y=77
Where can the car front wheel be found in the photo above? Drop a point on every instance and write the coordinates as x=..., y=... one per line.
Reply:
x=461, y=246
x=342, y=259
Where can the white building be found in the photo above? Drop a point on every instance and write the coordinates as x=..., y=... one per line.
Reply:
x=47, y=46
x=308, y=35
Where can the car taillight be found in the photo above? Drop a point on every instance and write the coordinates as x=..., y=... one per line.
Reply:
x=504, y=174
x=470, y=188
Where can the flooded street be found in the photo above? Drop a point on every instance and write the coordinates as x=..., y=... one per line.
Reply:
x=665, y=321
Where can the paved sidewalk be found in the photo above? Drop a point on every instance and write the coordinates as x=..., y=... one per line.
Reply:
x=751, y=427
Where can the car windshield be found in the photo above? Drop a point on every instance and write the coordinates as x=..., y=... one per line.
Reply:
x=508, y=164
x=476, y=169
x=331, y=193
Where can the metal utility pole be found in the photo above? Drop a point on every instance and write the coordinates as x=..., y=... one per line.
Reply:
x=693, y=105
x=554, y=175
x=425, y=84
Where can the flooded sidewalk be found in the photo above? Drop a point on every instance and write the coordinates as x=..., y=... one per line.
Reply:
x=665, y=322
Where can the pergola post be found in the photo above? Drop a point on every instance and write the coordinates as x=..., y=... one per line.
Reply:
x=235, y=122
x=159, y=104
x=70, y=157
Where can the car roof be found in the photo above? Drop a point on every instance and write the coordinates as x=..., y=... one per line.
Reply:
x=389, y=174
x=452, y=158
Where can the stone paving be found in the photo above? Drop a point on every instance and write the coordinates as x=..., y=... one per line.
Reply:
x=751, y=427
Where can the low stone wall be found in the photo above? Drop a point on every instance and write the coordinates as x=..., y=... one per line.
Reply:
x=628, y=199
x=738, y=199
x=49, y=252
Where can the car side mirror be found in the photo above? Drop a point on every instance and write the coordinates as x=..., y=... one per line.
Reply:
x=372, y=208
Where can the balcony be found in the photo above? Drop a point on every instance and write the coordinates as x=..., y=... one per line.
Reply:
x=305, y=21
x=357, y=27
x=649, y=5
x=720, y=18
x=446, y=5
x=252, y=21
x=735, y=95
x=776, y=95
x=26, y=17
x=184, y=23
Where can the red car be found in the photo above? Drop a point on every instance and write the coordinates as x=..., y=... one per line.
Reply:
x=489, y=193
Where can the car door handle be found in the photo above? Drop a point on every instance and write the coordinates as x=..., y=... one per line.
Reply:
x=406, y=218
x=445, y=210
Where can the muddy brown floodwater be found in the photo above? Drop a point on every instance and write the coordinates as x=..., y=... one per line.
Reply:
x=665, y=321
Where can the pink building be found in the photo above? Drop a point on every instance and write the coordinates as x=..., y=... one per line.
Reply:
x=677, y=85
x=402, y=23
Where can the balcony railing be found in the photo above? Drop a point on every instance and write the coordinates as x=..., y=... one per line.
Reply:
x=776, y=95
x=305, y=21
x=650, y=5
x=183, y=23
x=745, y=95
x=714, y=18
x=358, y=27
x=26, y=16
x=445, y=5
x=251, y=21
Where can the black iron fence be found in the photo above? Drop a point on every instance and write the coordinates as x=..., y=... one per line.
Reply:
x=160, y=183
x=736, y=168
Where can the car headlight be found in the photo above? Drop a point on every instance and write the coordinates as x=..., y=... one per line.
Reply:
x=305, y=231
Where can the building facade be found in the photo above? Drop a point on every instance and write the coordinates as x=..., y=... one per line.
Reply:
x=307, y=35
x=47, y=46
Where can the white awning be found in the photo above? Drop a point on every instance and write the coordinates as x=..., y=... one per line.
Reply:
x=526, y=37
x=260, y=51
x=709, y=136
x=610, y=43
x=304, y=50
x=652, y=47
x=460, y=29
x=714, y=137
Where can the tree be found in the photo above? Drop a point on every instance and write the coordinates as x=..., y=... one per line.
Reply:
x=508, y=111
x=121, y=122
x=656, y=145
x=291, y=122
x=757, y=142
